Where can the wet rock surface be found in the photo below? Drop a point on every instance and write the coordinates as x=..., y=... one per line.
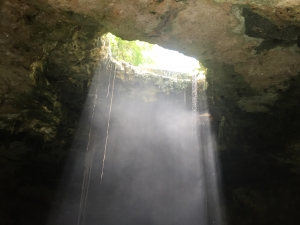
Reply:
x=49, y=52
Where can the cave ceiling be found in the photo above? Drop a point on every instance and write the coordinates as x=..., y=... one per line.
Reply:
x=258, y=38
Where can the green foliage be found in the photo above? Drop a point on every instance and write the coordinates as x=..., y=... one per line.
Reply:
x=200, y=69
x=130, y=51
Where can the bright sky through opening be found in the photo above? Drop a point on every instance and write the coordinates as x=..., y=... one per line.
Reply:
x=160, y=58
x=171, y=60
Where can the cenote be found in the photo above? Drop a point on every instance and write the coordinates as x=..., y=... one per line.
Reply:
x=103, y=129
x=149, y=155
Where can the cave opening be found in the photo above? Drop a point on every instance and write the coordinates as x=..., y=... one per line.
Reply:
x=149, y=154
x=151, y=56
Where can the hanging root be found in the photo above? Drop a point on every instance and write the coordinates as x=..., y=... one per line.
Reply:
x=108, y=87
x=88, y=164
x=107, y=130
x=194, y=102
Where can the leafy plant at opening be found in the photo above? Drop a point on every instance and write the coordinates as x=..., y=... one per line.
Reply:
x=129, y=51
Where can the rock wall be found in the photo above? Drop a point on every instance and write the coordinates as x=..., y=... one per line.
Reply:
x=47, y=60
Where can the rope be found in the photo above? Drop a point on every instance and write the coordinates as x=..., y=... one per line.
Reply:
x=89, y=164
x=107, y=130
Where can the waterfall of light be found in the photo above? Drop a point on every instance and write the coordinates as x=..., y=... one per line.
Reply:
x=88, y=164
x=210, y=165
x=90, y=149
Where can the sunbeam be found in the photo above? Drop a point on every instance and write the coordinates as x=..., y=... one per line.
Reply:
x=157, y=152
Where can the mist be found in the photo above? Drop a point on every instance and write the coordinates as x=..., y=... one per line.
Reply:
x=144, y=162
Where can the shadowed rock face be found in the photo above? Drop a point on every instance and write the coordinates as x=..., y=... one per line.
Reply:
x=49, y=51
